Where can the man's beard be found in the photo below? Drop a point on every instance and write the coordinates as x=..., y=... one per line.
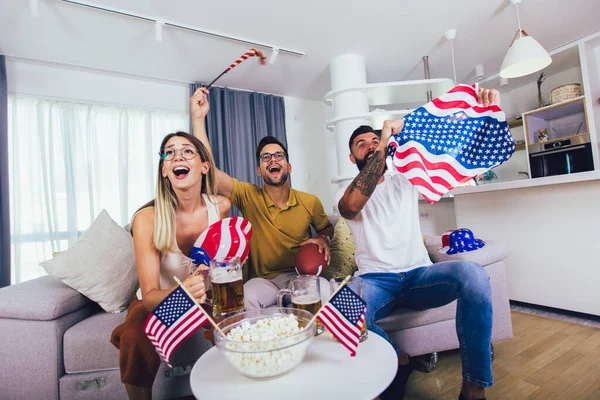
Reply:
x=284, y=177
x=362, y=163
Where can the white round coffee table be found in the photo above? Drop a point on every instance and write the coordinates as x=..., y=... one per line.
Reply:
x=327, y=371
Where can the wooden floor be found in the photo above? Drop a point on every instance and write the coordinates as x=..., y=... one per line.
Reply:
x=546, y=359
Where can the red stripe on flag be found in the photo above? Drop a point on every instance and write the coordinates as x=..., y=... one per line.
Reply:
x=470, y=90
x=433, y=179
x=200, y=319
x=418, y=181
x=430, y=165
x=338, y=333
x=167, y=334
x=444, y=105
x=492, y=107
x=344, y=329
x=343, y=322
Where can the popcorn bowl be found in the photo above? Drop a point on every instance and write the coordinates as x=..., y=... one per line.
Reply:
x=267, y=343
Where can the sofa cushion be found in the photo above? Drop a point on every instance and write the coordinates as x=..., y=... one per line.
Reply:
x=343, y=252
x=42, y=299
x=87, y=345
x=405, y=318
x=101, y=265
x=490, y=253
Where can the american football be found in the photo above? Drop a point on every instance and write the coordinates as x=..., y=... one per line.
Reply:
x=308, y=260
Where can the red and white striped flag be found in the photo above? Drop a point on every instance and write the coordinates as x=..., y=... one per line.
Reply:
x=344, y=315
x=226, y=238
x=450, y=140
x=250, y=53
x=175, y=319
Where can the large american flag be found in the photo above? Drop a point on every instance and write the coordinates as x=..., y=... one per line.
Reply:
x=175, y=319
x=344, y=316
x=450, y=140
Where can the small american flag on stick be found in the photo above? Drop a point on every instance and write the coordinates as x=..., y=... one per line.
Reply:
x=343, y=315
x=450, y=140
x=175, y=319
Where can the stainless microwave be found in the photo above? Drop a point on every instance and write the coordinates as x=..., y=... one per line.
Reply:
x=559, y=157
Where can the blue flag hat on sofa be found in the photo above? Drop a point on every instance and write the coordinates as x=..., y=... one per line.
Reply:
x=463, y=240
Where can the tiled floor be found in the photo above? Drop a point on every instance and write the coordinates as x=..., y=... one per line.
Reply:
x=568, y=316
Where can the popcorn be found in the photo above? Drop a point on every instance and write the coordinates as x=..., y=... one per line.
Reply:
x=270, y=346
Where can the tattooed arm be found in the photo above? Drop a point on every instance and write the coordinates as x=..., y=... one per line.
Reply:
x=363, y=186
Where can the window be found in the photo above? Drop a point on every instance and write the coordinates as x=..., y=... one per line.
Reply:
x=69, y=161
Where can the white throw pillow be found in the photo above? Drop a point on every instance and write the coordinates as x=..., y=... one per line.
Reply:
x=101, y=265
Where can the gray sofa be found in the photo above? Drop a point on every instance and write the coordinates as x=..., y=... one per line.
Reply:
x=54, y=342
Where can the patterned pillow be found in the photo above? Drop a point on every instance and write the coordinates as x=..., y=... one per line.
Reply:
x=343, y=252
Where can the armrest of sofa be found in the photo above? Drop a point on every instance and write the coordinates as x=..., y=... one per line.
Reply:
x=42, y=299
x=490, y=253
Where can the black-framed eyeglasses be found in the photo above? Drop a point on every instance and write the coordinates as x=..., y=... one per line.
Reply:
x=187, y=152
x=266, y=157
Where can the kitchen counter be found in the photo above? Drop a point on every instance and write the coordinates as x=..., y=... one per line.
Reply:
x=526, y=183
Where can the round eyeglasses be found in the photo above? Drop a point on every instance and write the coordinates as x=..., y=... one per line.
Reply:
x=187, y=152
x=266, y=157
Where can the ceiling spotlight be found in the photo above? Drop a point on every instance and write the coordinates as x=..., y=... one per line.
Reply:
x=479, y=74
x=158, y=30
x=274, y=55
x=34, y=5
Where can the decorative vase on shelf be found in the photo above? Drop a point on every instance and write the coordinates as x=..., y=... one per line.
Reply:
x=542, y=135
x=540, y=80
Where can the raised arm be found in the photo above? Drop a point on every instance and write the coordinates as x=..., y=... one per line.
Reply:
x=199, y=108
x=360, y=190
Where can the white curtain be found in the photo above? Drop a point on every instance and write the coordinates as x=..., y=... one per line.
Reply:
x=69, y=161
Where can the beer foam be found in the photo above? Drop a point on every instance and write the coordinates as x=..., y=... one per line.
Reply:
x=266, y=357
x=222, y=276
x=306, y=299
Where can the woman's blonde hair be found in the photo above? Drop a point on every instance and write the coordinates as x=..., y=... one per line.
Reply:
x=166, y=201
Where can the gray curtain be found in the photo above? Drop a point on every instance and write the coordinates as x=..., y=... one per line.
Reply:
x=4, y=206
x=235, y=124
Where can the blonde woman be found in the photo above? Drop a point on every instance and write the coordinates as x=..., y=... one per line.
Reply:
x=164, y=232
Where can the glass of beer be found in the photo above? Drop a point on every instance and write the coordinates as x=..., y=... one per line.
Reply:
x=305, y=292
x=355, y=283
x=227, y=286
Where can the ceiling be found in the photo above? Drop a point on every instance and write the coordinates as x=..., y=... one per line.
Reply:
x=391, y=35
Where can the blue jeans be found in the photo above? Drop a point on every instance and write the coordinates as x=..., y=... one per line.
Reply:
x=434, y=286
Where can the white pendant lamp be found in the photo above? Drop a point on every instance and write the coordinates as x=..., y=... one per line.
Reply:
x=525, y=55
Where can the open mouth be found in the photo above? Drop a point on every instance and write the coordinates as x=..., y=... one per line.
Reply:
x=181, y=172
x=274, y=169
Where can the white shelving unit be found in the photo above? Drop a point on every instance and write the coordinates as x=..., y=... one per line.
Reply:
x=374, y=115
x=401, y=92
x=403, y=97
x=362, y=103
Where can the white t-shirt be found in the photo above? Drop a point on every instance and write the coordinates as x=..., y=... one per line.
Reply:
x=387, y=230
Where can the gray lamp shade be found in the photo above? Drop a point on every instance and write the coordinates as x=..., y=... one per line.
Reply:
x=525, y=56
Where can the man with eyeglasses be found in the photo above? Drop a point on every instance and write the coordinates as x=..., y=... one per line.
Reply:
x=281, y=217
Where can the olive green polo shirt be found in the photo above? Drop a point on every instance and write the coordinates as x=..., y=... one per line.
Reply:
x=276, y=232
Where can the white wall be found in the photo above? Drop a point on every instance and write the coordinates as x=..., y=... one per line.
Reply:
x=311, y=147
x=552, y=234
x=73, y=84
x=437, y=218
